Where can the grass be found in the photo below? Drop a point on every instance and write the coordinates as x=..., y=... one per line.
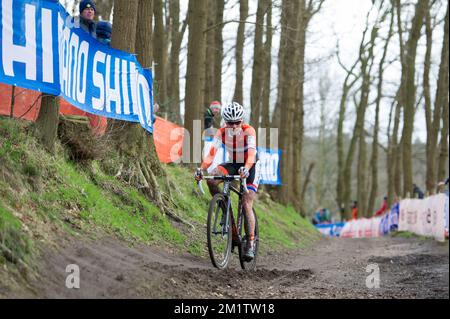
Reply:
x=14, y=244
x=56, y=197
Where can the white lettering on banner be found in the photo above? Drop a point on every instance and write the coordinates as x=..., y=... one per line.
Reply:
x=126, y=100
x=133, y=85
x=47, y=46
x=269, y=166
x=145, y=116
x=43, y=49
x=16, y=53
x=99, y=103
x=82, y=70
x=64, y=59
x=113, y=94
x=72, y=67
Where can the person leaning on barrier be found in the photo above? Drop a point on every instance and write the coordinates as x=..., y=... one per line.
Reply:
x=104, y=31
x=355, y=210
x=87, y=16
x=418, y=192
x=383, y=207
x=210, y=113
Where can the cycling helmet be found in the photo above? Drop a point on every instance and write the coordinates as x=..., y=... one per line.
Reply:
x=233, y=112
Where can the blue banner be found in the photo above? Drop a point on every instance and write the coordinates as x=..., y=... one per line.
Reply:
x=43, y=49
x=269, y=166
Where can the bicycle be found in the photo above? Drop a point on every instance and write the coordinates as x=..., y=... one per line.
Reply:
x=221, y=222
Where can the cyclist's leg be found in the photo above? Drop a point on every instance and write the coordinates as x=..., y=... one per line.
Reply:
x=248, y=200
x=221, y=170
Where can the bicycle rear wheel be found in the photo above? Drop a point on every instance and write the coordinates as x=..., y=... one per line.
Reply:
x=219, y=232
x=249, y=265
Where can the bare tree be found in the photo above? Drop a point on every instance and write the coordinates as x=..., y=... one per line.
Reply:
x=442, y=99
x=159, y=52
x=374, y=157
x=408, y=93
x=240, y=43
x=177, y=32
x=258, y=65
x=196, y=63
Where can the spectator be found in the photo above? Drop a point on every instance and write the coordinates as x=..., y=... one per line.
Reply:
x=210, y=113
x=326, y=216
x=417, y=192
x=383, y=207
x=443, y=187
x=87, y=16
x=104, y=31
x=322, y=216
x=355, y=210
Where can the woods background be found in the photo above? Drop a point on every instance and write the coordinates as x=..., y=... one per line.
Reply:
x=362, y=112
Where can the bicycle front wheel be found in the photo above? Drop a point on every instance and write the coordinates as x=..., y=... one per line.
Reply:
x=219, y=232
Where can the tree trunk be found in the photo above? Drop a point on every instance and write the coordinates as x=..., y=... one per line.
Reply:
x=240, y=43
x=265, y=115
x=409, y=95
x=210, y=49
x=13, y=101
x=258, y=66
x=47, y=122
x=287, y=106
x=218, y=50
x=298, y=125
x=432, y=117
x=442, y=99
x=276, y=118
x=174, y=87
x=159, y=52
x=340, y=187
x=358, y=133
x=374, y=157
x=195, y=66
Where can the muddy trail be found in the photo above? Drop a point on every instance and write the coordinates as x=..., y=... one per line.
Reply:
x=334, y=268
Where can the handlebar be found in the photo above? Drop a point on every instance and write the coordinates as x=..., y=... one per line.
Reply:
x=224, y=178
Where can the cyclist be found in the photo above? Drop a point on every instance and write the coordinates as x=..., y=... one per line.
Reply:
x=240, y=142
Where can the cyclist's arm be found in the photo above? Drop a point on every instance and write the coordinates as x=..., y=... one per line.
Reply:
x=209, y=158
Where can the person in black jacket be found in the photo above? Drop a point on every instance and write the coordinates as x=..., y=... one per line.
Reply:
x=210, y=113
x=87, y=16
x=418, y=192
x=104, y=30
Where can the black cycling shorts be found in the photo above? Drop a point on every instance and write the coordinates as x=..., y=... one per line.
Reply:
x=233, y=169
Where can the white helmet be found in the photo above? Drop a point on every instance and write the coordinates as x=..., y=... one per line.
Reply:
x=233, y=112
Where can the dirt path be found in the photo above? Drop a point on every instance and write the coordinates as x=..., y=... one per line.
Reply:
x=335, y=268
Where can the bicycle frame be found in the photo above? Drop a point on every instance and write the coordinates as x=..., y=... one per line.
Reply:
x=229, y=227
x=227, y=187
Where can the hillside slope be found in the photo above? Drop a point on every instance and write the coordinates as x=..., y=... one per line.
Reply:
x=47, y=200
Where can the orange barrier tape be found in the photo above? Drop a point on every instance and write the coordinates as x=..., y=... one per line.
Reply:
x=167, y=135
x=28, y=103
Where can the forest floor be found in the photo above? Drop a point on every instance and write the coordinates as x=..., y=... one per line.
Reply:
x=333, y=268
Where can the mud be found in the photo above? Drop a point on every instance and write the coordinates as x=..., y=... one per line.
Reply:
x=334, y=268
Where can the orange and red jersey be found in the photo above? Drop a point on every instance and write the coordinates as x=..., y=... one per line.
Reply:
x=240, y=146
